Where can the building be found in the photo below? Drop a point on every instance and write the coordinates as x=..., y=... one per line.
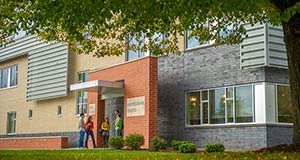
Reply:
x=236, y=95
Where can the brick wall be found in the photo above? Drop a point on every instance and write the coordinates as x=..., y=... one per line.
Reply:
x=34, y=143
x=140, y=79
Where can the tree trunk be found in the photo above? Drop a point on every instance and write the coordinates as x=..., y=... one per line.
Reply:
x=292, y=41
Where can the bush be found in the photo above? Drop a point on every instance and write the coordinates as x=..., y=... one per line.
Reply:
x=134, y=141
x=116, y=142
x=176, y=144
x=158, y=143
x=214, y=148
x=187, y=148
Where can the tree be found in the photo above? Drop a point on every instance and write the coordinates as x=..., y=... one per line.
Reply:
x=101, y=27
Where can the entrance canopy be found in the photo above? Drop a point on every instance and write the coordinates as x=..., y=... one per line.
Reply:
x=108, y=89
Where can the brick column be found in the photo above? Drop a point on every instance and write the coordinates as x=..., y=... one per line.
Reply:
x=95, y=98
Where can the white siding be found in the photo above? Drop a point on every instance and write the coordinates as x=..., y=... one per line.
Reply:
x=47, y=66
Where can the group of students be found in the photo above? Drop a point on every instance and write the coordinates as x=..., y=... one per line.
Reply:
x=86, y=130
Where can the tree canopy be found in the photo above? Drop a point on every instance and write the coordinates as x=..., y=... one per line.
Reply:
x=102, y=26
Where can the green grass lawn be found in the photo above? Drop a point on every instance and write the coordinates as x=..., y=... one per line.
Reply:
x=99, y=154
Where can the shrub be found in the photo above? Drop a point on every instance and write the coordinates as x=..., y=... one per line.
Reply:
x=214, y=148
x=134, y=141
x=158, y=143
x=187, y=148
x=176, y=144
x=116, y=142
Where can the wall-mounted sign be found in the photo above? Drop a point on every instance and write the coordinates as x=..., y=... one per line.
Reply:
x=92, y=108
x=136, y=106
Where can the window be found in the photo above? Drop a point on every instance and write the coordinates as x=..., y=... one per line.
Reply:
x=136, y=53
x=192, y=42
x=217, y=106
x=59, y=111
x=220, y=106
x=13, y=76
x=284, y=104
x=140, y=42
x=82, y=95
x=30, y=114
x=243, y=103
x=193, y=108
x=9, y=77
x=11, y=122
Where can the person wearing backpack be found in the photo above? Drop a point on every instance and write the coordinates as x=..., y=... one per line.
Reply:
x=118, y=124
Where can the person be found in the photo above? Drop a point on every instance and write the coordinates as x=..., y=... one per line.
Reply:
x=81, y=127
x=118, y=124
x=89, y=131
x=105, y=132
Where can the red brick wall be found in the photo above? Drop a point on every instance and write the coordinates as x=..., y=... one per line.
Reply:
x=34, y=143
x=140, y=79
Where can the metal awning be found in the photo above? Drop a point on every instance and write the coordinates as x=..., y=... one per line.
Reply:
x=107, y=89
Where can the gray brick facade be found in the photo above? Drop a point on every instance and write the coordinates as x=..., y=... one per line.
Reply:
x=206, y=68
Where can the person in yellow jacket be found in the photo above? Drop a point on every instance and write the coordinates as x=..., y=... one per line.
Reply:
x=105, y=132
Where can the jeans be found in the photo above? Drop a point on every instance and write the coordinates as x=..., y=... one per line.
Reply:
x=88, y=133
x=105, y=141
x=81, y=136
x=118, y=132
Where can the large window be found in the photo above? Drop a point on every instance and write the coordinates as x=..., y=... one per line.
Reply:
x=82, y=95
x=219, y=106
x=284, y=103
x=8, y=77
x=11, y=122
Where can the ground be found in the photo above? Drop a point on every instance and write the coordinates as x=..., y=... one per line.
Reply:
x=108, y=154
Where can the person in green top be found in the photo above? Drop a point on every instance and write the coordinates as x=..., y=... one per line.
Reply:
x=118, y=124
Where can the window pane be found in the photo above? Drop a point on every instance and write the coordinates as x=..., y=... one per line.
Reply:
x=13, y=76
x=243, y=104
x=229, y=104
x=193, y=42
x=285, y=109
x=79, y=78
x=81, y=101
x=204, y=95
x=217, y=106
x=193, y=108
x=30, y=114
x=205, y=113
x=138, y=52
x=84, y=77
x=11, y=122
x=229, y=92
x=4, y=78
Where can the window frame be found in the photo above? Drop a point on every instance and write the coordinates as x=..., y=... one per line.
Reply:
x=9, y=77
x=14, y=122
x=209, y=111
